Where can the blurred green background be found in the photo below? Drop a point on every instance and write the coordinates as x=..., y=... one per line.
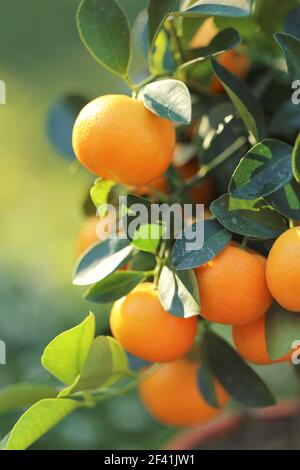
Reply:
x=41, y=59
x=41, y=198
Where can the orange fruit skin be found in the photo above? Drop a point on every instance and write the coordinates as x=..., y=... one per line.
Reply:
x=233, y=288
x=87, y=235
x=145, y=329
x=250, y=341
x=172, y=396
x=238, y=64
x=283, y=270
x=117, y=137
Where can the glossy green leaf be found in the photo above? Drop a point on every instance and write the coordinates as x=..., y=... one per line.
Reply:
x=106, y=363
x=60, y=122
x=286, y=200
x=99, y=195
x=65, y=356
x=179, y=292
x=236, y=376
x=286, y=119
x=290, y=46
x=282, y=329
x=253, y=219
x=17, y=396
x=101, y=260
x=187, y=256
x=235, y=8
x=169, y=99
x=147, y=237
x=37, y=421
x=105, y=32
x=114, y=287
x=266, y=168
x=222, y=42
x=243, y=99
x=296, y=160
x=158, y=11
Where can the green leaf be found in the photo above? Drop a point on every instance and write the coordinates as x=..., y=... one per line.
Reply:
x=266, y=168
x=290, y=46
x=292, y=23
x=99, y=195
x=282, y=329
x=252, y=219
x=222, y=42
x=60, y=122
x=179, y=292
x=235, y=8
x=216, y=238
x=106, y=364
x=286, y=119
x=169, y=99
x=237, y=377
x=142, y=261
x=158, y=12
x=243, y=99
x=296, y=160
x=286, y=200
x=105, y=32
x=101, y=260
x=114, y=287
x=206, y=379
x=37, y=421
x=19, y=395
x=65, y=356
x=147, y=237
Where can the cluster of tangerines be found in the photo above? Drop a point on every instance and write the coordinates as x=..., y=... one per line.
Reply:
x=117, y=138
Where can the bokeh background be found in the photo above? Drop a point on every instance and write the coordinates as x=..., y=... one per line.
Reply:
x=41, y=59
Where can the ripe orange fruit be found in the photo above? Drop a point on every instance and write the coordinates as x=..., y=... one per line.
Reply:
x=283, y=270
x=233, y=288
x=87, y=235
x=145, y=329
x=250, y=341
x=236, y=63
x=202, y=194
x=117, y=137
x=172, y=396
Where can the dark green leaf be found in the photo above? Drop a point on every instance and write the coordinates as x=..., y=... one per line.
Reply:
x=266, y=168
x=37, y=421
x=282, y=329
x=114, y=287
x=237, y=377
x=290, y=46
x=101, y=260
x=19, y=395
x=104, y=30
x=222, y=42
x=287, y=200
x=179, y=292
x=169, y=99
x=292, y=23
x=286, y=120
x=186, y=256
x=106, y=363
x=296, y=160
x=61, y=119
x=158, y=11
x=252, y=219
x=243, y=99
x=206, y=379
x=221, y=7
x=142, y=261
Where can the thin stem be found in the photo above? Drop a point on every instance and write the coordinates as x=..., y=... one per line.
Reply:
x=178, y=53
x=127, y=79
x=244, y=243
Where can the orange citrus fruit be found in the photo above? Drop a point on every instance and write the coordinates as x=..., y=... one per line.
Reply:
x=139, y=322
x=250, y=341
x=237, y=63
x=233, y=288
x=172, y=396
x=117, y=137
x=283, y=270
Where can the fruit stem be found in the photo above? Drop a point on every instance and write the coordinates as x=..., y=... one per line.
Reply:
x=244, y=243
x=133, y=86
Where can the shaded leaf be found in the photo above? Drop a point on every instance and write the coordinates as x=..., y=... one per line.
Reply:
x=290, y=46
x=179, y=292
x=114, y=287
x=19, y=395
x=266, y=168
x=158, y=11
x=286, y=200
x=296, y=160
x=282, y=329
